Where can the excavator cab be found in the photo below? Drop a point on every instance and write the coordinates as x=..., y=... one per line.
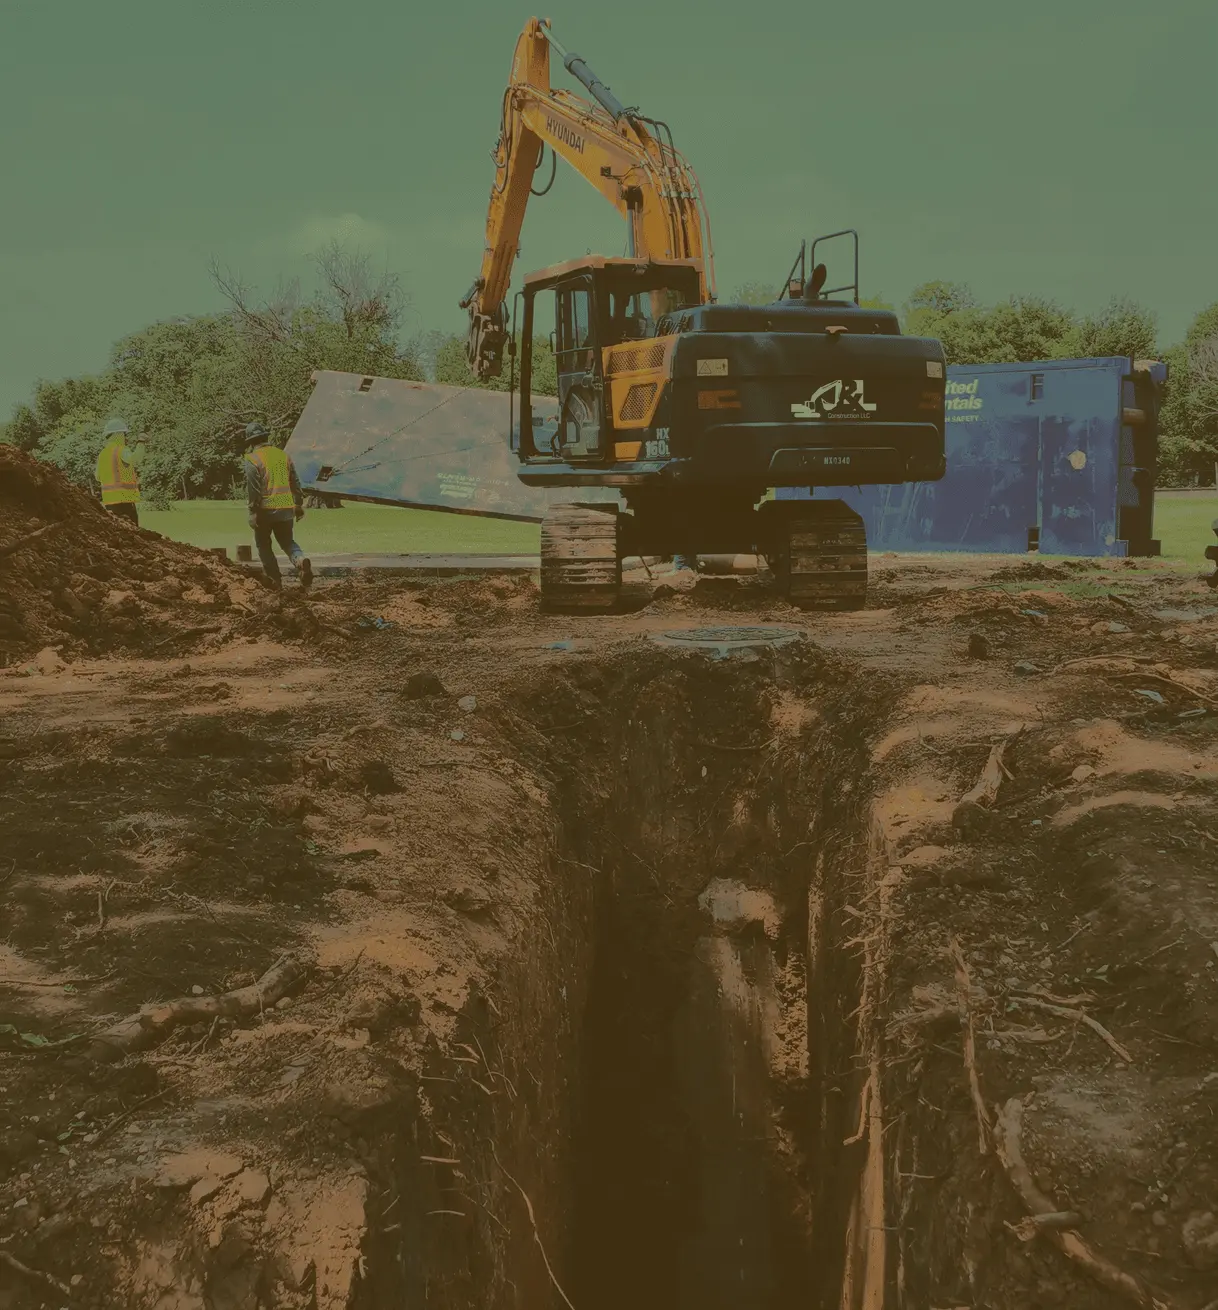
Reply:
x=600, y=309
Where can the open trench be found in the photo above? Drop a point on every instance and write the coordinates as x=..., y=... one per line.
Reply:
x=684, y=986
x=676, y=1056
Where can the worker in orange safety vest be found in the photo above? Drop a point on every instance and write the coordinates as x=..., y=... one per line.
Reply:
x=117, y=466
x=275, y=501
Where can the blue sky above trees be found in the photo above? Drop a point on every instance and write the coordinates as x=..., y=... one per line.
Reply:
x=1036, y=149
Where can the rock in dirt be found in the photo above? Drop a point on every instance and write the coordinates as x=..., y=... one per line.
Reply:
x=380, y=1013
x=468, y=899
x=1025, y=668
x=360, y=1094
x=253, y=1187
x=70, y=601
x=360, y=850
x=188, y=1167
x=205, y=1189
x=48, y=661
x=166, y=589
x=970, y=818
x=122, y=603
x=1200, y=1235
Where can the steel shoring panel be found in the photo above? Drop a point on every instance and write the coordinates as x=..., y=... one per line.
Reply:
x=417, y=444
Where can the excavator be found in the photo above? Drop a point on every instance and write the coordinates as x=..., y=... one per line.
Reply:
x=688, y=412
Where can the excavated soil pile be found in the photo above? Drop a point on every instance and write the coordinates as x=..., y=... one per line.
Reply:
x=75, y=579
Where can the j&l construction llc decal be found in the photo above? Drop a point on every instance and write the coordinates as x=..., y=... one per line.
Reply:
x=962, y=396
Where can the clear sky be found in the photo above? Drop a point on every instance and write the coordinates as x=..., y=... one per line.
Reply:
x=1067, y=148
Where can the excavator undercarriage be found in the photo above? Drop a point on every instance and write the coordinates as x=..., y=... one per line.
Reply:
x=822, y=559
x=815, y=550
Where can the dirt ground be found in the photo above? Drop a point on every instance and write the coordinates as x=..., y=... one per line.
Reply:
x=349, y=965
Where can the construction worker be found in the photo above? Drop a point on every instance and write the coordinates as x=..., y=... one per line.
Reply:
x=116, y=471
x=275, y=501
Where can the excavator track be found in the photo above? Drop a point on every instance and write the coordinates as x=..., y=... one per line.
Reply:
x=824, y=563
x=581, y=560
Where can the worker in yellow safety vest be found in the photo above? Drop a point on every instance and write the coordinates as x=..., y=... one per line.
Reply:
x=275, y=501
x=116, y=471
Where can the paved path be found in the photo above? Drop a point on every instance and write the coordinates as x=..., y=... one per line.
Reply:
x=337, y=566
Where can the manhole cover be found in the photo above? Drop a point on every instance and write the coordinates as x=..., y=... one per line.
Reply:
x=721, y=642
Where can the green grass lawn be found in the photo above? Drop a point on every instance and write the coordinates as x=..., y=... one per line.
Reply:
x=354, y=529
x=1182, y=525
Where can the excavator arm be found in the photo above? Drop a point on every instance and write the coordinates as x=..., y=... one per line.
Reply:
x=630, y=160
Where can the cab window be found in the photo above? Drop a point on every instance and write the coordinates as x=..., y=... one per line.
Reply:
x=635, y=313
x=574, y=328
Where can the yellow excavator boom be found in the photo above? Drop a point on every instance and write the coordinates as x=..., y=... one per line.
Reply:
x=631, y=160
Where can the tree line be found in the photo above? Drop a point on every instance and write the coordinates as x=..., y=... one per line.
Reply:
x=192, y=383
x=1030, y=328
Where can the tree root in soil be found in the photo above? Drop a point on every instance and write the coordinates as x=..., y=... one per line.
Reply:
x=183, y=633
x=1117, y=667
x=1008, y=1131
x=34, y=1275
x=964, y=986
x=155, y=1022
x=1077, y=1016
x=14, y=546
x=984, y=791
x=536, y=1235
x=1035, y=1224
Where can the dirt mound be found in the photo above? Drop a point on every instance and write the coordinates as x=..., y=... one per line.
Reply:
x=1028, y=571
x=81, y=581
